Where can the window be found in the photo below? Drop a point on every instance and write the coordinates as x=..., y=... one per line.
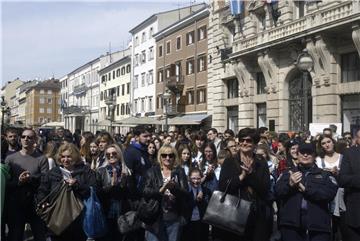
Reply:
x=142, y=105
x=117, y=72
x=49, y=92
x=260, y=83
x=202, y=63
x=41, y=110
x=127, y=109
x=160, y=51
x=261, y=114
x=135, y=106
x=123, y=90
x=300, y=8
x=190, y=38
x=178, y=43
x=122, y=109
x=49, y=100
x=150, y=104
x=151, y=53
x=117, y=90
x=101, y=95
x=160, y=76
x=117, y=110
x=202, y=33
x=49, y=110
x=190, y=66
x=151, y=77
x=103, y=79
x=168, y=47
x=159, y=102
x=42, y=91
x=178, y=71
x=233, y=88
x=201, y=96
x=167, y=73
x=151, y=32
x=136, y=41
x=109, y=76
x=350, y=67
x=127, y=88
x=143, y=37
x=136, y=77
x=136, y=60
x=143, y=57
x=114, y=76
x=142, y=79
x=190, y=97
x=123, y=70
x=128, y=68
x=42, y=100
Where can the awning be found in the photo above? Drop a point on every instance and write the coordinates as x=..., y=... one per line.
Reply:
x=106, y=123
x=188, y=119
x=54, y=124
x=131, y=121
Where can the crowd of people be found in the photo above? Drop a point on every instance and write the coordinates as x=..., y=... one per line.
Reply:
x=301, y=187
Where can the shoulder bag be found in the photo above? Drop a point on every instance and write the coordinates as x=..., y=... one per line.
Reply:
x=227, y=212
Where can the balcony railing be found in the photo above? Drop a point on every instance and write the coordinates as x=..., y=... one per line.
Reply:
x=345, y=12
x=80, y=89
x=175, y=109
x=175, y=83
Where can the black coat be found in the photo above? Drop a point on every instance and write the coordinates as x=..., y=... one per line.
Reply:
x=202, y=204
x=349, y=178
x=154, y=181
x=320, y=190
x=255, y=187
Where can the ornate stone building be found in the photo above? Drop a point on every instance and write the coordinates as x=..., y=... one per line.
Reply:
x=254, y=79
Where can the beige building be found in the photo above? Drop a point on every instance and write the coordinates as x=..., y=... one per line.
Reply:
x=43, y=103
x=254, y=79
x=181, y=69
x=115, y=93
x=8, y=92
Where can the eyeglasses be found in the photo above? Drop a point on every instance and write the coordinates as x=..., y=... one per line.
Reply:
x=195, y=178
x=108, y=155
x=247, y=140
x=25, y=136
x=164, y=155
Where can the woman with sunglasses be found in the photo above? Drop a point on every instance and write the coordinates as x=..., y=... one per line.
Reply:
x=72, y=170
x=167, y=183
x=249, y=174
x=115, y=188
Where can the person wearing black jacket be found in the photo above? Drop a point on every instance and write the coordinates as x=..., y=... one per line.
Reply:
x=250, y=175
x=167, y=183
x=305, y=193
x=72, y=170
x=349, y=178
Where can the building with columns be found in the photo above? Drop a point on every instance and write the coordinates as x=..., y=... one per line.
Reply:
x=254, y=76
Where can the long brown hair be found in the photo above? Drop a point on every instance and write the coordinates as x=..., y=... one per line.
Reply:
x=74, y=152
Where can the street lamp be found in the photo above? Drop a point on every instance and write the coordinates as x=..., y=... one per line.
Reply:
x=111, y=102
x=305, y=64
x=166, y=97
x=4, y=109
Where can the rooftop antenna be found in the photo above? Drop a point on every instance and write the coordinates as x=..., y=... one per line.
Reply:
x=110, y=51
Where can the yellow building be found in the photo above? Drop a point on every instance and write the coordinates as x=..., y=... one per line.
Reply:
x=43, y=103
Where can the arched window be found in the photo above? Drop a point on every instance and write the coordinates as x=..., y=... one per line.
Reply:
x=117, y=72
x=122, y=109
x=123, y=70
x=128, y=68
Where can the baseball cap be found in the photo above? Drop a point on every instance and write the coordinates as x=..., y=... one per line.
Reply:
x=307, y=148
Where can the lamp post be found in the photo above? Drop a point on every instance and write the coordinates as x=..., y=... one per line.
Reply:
x=4, y=109
x=305, y=64
x=166, y=96
x=110, y=102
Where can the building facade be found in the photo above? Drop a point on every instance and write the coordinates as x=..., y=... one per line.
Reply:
x=254, y=75
x=8, y=93
x=115, y=93
x=181, y=67
x=43, y=103
x=143, y=56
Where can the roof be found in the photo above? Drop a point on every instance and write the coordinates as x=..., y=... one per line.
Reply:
x=116, y=64
x=84, y=66
x=47, y=84
x=201, y=13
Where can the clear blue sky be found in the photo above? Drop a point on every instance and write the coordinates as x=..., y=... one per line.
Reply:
x=43, y=39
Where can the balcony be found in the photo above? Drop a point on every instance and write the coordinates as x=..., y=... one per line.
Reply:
x=326, y=17
x=175, y=84
x=80, y=89
x=175, y=109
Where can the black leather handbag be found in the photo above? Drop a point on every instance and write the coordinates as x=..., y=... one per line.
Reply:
x=148, y=211
x=228, y=212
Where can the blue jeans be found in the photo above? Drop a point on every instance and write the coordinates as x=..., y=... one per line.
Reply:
x=164, y=231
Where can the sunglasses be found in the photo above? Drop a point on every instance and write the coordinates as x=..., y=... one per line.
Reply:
x=28, y=137
x=195, y=178
x=247, y=140
x=171, y=155
x=108, y=155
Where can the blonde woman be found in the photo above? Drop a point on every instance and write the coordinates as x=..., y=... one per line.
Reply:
x=168, y=184
x=72, y=170
x=116, y=187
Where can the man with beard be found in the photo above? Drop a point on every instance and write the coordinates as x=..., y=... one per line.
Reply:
x=26, y=168
x=11, y=138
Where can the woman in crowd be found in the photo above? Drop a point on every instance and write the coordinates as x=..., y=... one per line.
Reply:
x=264, y=151
x=167, y=183
x=198, y=143
x=94, y=154
x=250, y=175
x=185, y=157
x=209, y=167
x=71, y=170
x=329, y=160
x=85, y=140
x=102, y=141
x=152, y=153
x=115, y=188
x=292, y=148
x=305, y=192
x=158, y=143
x=230, y=145
x=50, y=153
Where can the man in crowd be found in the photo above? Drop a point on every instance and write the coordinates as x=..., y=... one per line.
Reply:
x=11, y=138
x=26, y=168
x=212, y=136
x=349, y=178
